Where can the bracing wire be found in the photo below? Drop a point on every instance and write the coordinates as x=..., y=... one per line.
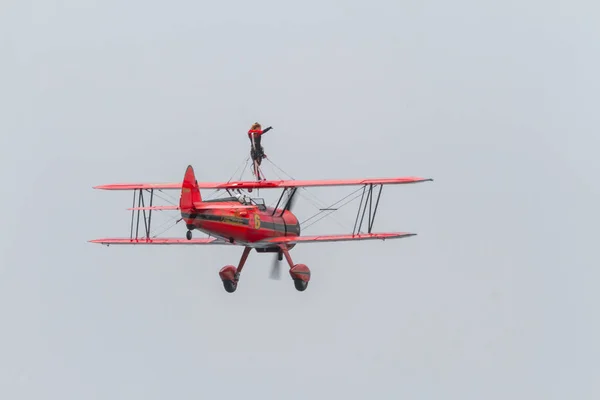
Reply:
x=175, y=200
x=170, y=199
x=160, y=232
x=318, y=203
x=349, y=201
x=331, y=211
x=218, y=192
x=321, y=204
x=244, y=170
x=244, y=164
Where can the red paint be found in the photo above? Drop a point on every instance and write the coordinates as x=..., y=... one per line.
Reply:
x=338, y=238
x=227, y=273
x=233, y=222
x=300, y=271
x=155, y=241
x=279, y=184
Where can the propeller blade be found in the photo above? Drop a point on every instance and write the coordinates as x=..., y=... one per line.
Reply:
x=276, y=268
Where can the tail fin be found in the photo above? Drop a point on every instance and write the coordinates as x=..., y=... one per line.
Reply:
x=190, y=193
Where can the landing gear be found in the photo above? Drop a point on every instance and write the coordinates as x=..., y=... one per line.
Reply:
x=300, y=273
x=300, y=285
x=230, y=286
x=188, y=235
x=230, y=275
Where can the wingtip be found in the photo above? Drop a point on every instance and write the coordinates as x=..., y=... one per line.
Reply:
x=406, y=234
x=102, y=187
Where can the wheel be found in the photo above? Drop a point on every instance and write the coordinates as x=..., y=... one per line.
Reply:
x=229, y=286
x=188, y=235
x=300, y=285
x=280, y=256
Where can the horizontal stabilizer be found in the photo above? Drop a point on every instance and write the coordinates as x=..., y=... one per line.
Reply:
x=223, y=206
x=159, y=241
x=197, y=206
x=339, y=238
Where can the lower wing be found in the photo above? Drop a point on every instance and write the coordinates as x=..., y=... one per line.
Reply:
x=337, y=238
x=262, y=243
x=155, y=241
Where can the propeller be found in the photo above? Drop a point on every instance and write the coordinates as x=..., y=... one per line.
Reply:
x=276, y=265
x=276, y=268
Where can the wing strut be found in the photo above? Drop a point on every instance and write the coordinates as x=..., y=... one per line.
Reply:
x=279, y=201
x=141, y=208
x=364, y=203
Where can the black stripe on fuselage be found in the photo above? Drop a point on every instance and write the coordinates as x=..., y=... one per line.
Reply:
x=293, y=229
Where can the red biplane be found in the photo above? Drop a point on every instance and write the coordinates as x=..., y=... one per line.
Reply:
x=245, y=221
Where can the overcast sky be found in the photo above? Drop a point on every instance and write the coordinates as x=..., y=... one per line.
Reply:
x=496, y=297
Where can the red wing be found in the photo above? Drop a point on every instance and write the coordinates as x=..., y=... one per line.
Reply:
x=339, y=238
x=281, y=184
x=198, y=206
x=133, y=186
x=157, y=241
x=326, y=182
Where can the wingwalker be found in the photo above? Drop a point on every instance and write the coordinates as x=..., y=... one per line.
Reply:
x=241, y=220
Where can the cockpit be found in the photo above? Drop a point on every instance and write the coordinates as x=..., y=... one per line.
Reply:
x=252, y=201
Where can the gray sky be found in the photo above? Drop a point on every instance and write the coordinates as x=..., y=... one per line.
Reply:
x=497, y=296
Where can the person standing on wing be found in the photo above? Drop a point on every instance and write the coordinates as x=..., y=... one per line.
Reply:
x=255, y=134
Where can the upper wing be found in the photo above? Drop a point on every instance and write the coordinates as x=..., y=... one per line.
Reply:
x=199, y=206
x=268, y=184
x=337, y=238
x=324, y=182
x=155, y=241
x=132, y=186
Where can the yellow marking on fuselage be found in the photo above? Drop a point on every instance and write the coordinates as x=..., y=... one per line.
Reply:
x=232, y=221
x=256, y=221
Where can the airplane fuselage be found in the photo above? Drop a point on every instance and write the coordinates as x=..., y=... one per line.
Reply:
x=243, y=226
